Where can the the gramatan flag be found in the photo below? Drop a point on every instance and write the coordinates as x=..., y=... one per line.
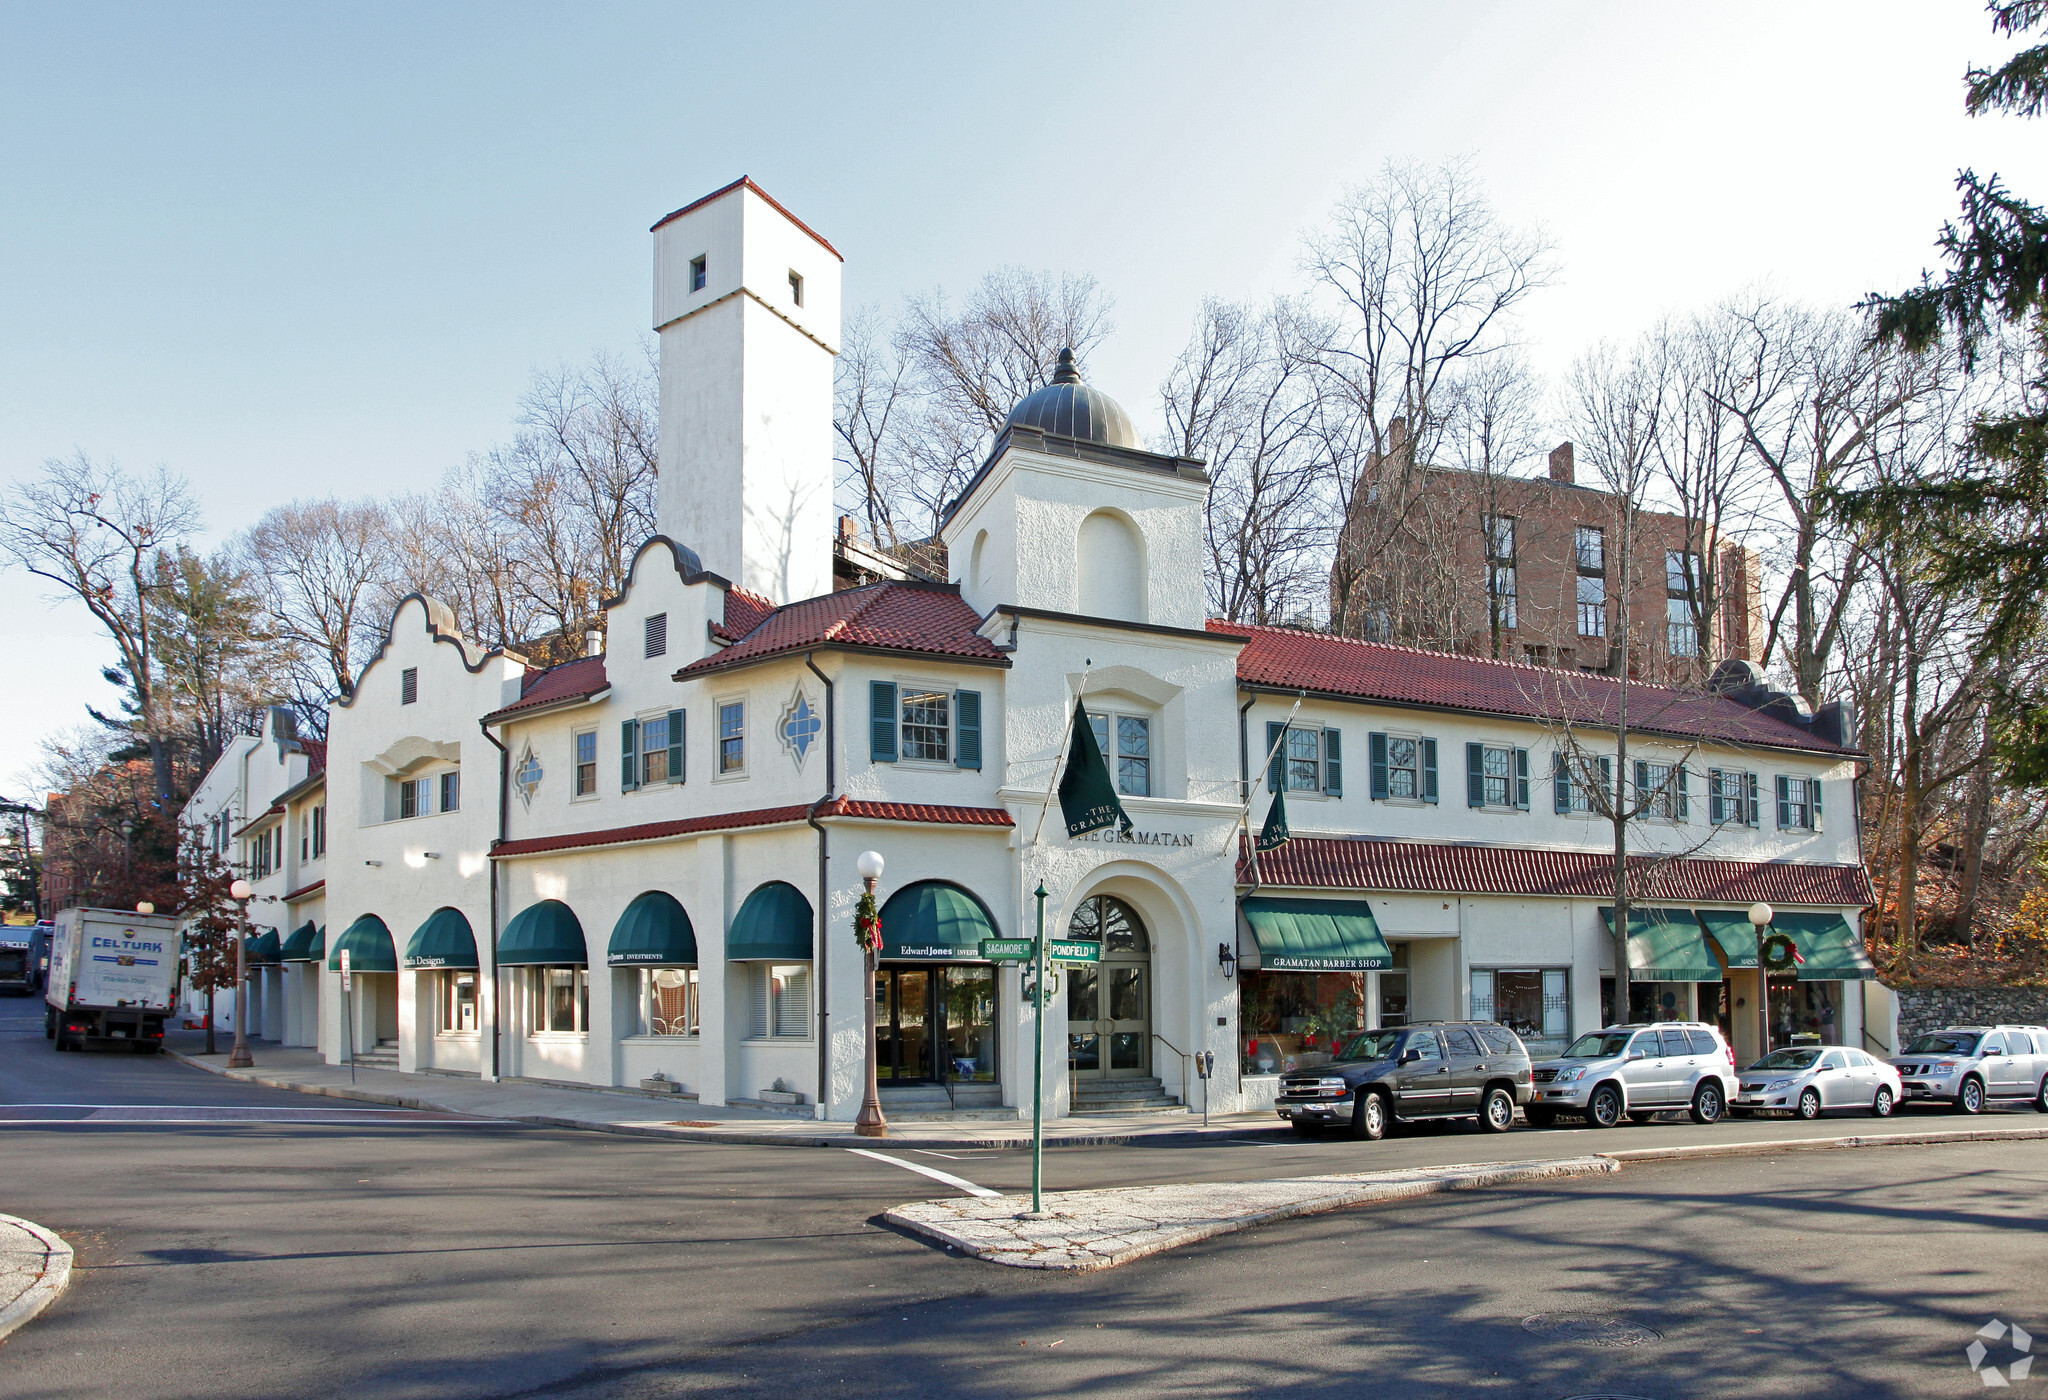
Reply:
x=1273, y=835
x=1088, y=798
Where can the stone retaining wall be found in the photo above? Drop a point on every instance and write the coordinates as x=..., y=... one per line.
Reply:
x=1931, y=1008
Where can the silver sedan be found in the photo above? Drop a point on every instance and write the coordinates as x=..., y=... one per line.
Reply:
x=1809, y=1080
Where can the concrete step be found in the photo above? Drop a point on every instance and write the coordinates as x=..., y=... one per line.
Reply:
x=1151, y=1109
x=1114, y=1088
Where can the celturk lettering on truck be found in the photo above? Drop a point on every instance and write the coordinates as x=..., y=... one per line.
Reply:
x=127, y=945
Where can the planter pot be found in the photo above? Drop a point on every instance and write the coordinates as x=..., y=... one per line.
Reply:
x=662, y=1086
x=789, y=1096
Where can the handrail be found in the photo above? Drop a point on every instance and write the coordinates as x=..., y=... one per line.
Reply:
x=1183, y=1068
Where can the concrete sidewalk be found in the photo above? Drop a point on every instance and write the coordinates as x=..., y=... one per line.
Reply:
x=647, y=1115
x=34, y=1267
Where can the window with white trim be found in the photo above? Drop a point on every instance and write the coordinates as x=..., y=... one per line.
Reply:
x=1130, y=755
x=1661, y=791
x=560, y=1000
x=1798, y=803
x=457, y=1002
x=584, y=743
x=451, y=791
x=668, y=1001
x=782, y=1000
x=732, y=738
x=1731, y=797
x=1500, y=567
x=918, y=722
x=1573, y=776
x=1403, y=767
x=651, y=750
x=1496, y=776
x=1309, y=760
x=1681, y=584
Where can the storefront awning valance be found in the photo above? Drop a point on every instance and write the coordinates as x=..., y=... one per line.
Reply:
x=547, y=934
x=266, y=947
x=655, y=931
x=369, y=946
x=1831, y=948
x=932, y=921
x=1316, y=935
x=774, y=925
x=1736, y=935
x=1666, y=945
x=444, y=940
x=306, y=944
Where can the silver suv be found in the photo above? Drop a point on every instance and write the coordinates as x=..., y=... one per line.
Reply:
x=1968, y=1067
x=1636, y=1071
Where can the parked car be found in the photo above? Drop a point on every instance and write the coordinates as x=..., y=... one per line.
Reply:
x=1808, y=1080
x=1636, y=1071
x=1968, y=1067
x=1437, y=1069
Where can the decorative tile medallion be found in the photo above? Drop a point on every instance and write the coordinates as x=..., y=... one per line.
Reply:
x=800, y=727
x=526, y=777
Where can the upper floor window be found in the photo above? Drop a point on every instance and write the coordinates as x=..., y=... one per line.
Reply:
x=923, y=724
x=654, y=635
x=651, y=751
x=1501, y=585
x=732, y=736
x=1403, y=767
x=320, y=831
x=697, y=273
x=1496, y=775
x=796, y=289
x=1130, y=755
x=451, y=791
x=585, y=742
x=408, y=685
x=1591, y=550
x=415, y=797
x=1500, y=539
x=1573, y=794
x=1798, y=803
x=1311, y=759
x=1592, y=605
x=1661, y=791
x=1731, y=797
x=1682, y=628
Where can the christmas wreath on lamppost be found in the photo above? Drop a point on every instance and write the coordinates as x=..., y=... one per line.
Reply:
x=1779, y=953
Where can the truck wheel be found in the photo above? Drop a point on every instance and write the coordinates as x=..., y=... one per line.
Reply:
x=1369, y=1116
x=1497, y=1112
x=1707, y=1104
x=1604, y=1110
x=1970, y=1098
x=2041, y=1099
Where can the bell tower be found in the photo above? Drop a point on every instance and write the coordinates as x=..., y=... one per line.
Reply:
x=746, y=302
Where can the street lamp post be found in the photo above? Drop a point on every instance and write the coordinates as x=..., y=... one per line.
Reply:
x=867, y=929
x=239, y=1057
x=1760, y=916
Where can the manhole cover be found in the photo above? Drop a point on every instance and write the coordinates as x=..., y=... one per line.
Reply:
x=1593, y=1328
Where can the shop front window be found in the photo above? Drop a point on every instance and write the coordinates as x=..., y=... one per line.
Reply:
x=458, y=1001
x=668, y=1001
x=561, y=1000
x=1534, y=1003
x=1294, y=1019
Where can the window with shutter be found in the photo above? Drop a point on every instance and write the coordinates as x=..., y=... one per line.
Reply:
x=967, y=724
x=1475, y=775
x=1333, y=763
x=1376, y=753
x=1813, y=796
x=1429, y=770
x=1522, y=779
x=1276, y=760
x=1784, y=803
x=882, y=721
x=629, y=755
x=1754, y=816
x=675, y=746
x=1561, y=784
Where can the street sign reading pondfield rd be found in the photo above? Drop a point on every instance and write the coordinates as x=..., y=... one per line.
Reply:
x=1005, y=949
x=1072, y=951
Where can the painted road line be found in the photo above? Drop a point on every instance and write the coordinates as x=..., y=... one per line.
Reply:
x=933, y=1172
x=206, y=1107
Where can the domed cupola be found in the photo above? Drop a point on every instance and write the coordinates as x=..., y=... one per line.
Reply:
x=1068, y=408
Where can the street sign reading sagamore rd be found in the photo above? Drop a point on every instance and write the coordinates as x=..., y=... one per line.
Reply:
x=1072, y=951
x=1006, y=949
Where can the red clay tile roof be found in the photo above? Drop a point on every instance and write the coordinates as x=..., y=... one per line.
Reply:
x=1337, y=863
x=925, y=618
x=571, y=680
x=1287, y=659
x=765, y=816
x=744, y=611
x=316, y=755
x=302, y=891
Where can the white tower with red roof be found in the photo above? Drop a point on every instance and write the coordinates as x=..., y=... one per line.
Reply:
x=746, y=302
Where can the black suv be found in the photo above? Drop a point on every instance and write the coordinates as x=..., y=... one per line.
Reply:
x=1433, y=1069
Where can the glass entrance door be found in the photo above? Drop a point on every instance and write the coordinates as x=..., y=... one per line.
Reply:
x=903, y=1022
x=935, y=1023
x=1109, y=1005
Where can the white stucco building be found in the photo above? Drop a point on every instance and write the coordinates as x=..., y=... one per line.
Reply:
x=642, y=862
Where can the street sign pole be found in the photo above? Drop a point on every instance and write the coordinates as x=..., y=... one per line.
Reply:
x=348, y=1016
x=1038, y=1059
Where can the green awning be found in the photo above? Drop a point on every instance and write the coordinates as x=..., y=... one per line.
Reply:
x=932, y=921
x=369, y=947
x=1316, y=935
x=1666, y=945
x=266, y=947
x=305, y=945
x=444, y=940
x=1732, y=929
x=774, y=925
x=654, y=931
x=1831, y=948
x=546, y=934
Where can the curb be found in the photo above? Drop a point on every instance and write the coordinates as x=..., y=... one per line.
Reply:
x=1763, y=1149
x=49, y=1283
x=1418, y=1182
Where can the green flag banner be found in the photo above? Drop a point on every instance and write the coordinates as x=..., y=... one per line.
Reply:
x=1273, y=835
x=1088, y=798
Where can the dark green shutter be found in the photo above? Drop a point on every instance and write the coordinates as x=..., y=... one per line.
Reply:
x=1522, y=779
x=1475, y=775
x=1429, y=770
x=675, y=746
x=1717, y=806
x=1642, y=790
x=1684, y=803
x=967, y=720
x=1607, y=777
x=1276, y=767
x=1813, y=801
x=1561, y=783
x=1784, y=803
x=882, y=721
x=629, y=755
x=1755, y=813
x=1333, y=763
x=1376, y=749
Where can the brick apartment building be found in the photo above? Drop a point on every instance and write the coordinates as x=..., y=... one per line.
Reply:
x=1529, y=569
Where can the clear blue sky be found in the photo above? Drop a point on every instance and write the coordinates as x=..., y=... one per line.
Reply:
x=294, y=249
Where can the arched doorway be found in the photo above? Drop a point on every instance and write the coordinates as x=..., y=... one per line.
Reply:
x=1109, y=1005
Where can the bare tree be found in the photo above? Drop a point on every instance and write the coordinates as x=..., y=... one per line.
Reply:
x=1247, y=397
x=94, y=531
x=324, y=567
x=1493, y=421
x=874, y=404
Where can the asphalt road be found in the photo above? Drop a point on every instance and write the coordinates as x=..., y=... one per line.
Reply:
x=265, y=1251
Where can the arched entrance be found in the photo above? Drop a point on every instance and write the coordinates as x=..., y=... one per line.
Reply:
x=1109, y=1005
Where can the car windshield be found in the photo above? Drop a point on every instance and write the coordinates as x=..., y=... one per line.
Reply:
x=1944, y=1043
x=1370, y=1045
x=1597, y=1045
x=1788, y=1059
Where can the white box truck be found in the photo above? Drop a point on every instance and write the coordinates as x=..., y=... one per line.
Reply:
x=113, y=977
